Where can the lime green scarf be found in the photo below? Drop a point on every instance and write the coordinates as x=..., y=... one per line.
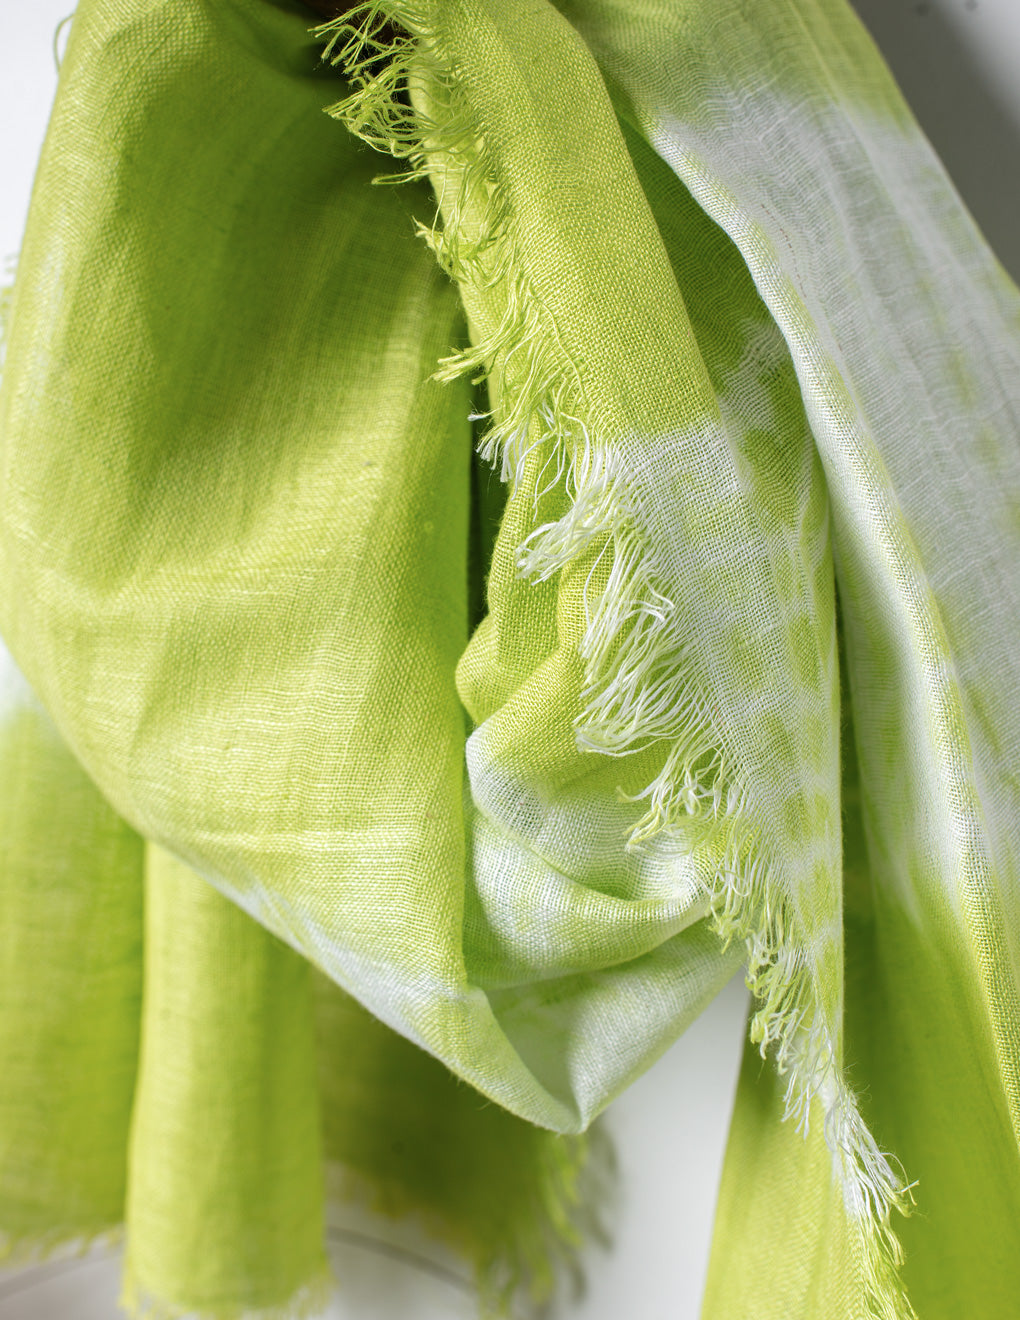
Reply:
x=742, y=688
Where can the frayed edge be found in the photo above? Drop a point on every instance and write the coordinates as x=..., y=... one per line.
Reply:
x=635, y=646
x=787, y=1027
x=522, y=1275
x=474, y=245
x=21, y=1251
x=305, y=1303
x=576, y=1189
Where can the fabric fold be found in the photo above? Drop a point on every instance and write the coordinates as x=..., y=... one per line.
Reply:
x=907, y=360
x=224, y=1212
x=70, y=989
x=253, y=643
x=409, y=1139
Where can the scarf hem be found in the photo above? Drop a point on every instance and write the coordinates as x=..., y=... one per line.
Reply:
x=523, y=1275
x=306, y=1302
x=23, y=1250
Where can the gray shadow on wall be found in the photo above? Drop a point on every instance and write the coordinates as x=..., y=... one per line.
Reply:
x=974, y=128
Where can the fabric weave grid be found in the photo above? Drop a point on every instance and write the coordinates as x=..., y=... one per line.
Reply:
x=742, y=688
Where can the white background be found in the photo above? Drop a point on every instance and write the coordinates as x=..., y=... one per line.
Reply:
x=958, y=62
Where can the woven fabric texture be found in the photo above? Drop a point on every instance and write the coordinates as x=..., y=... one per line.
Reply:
x=332, y=754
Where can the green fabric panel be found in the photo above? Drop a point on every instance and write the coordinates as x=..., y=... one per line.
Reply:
x=918, y=1030
x=225, y=1201
x=916, y=1027
x=70, y=988
x=584, y=234
x=251, y=639
x=780, y=1201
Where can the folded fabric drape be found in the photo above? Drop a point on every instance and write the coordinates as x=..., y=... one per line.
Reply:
x=741, y=686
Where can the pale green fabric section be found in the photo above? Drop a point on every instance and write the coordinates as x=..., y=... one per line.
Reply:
x=934, y=1097
x=224, y=1213
x=70, y=987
